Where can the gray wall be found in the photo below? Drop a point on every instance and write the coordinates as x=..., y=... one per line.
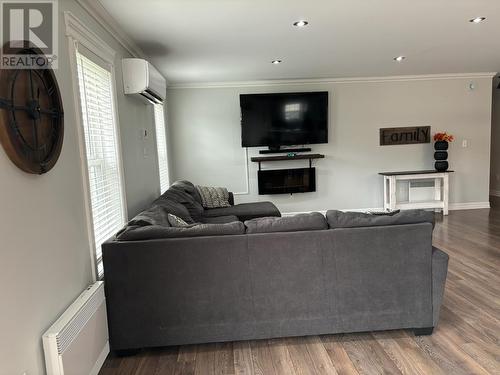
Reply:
x=44, y=249
x=206, y=146
x=495, y=141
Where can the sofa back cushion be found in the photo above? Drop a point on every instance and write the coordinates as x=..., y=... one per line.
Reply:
x=296, y=223
x=173, y=207
x=137, y=233
x=187, y=187
x=340, y=219
x=155, y=215
x=178, y=194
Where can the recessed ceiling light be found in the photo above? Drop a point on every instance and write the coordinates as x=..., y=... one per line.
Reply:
x=399, y=58
x=477, y=19
x=301, y=23
x=276, y=62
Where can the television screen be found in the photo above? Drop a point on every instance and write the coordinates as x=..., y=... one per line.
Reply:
x=284, y=119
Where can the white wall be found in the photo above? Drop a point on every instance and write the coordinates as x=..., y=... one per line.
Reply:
x=206, y=145
x=44, y=249
x=495, y=141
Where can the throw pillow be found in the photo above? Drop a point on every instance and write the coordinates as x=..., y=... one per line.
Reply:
x=213, y=197
x=176, y=221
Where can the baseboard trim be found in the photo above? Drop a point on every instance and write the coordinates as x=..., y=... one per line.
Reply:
x=469, y=206
x=452, y=207
x=495, y=193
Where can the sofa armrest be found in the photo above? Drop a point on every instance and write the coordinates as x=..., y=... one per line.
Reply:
x=439, y=272
x=155, y=287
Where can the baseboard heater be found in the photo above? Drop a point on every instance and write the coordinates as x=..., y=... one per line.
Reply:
x=78, y=342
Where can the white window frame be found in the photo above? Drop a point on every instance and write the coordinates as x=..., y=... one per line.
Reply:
x=162, y=105
x=79, y=34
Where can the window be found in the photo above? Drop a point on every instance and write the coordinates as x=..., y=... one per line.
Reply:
x=161, y=144
x=102, y=152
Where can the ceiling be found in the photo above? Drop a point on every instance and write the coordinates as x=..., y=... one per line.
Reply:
x=236, y=40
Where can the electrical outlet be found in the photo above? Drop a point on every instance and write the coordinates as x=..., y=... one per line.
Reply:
x=465, y=143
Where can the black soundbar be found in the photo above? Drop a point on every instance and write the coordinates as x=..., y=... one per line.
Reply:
x=284, y=150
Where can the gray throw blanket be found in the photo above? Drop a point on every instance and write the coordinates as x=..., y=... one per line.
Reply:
x=213, y=197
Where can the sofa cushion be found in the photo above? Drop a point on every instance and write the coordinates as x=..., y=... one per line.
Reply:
x=187, y=187
x=174, y=208
x=155, y=215
x=179, y=195
x=245, y=211
x=340, y=219
x=220, y=219
x=137, y=233
x=296, y=223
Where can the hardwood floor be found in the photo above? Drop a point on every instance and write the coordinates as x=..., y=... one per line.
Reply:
x=466, y=340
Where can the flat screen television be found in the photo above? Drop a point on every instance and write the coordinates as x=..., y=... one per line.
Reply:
x=284, y=119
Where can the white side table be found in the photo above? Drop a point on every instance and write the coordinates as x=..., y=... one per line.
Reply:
x=441, y=189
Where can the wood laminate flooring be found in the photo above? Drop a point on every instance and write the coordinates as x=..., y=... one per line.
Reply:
x=466, y=340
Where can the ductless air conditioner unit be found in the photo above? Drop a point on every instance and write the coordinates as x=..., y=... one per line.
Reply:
x=142, y=78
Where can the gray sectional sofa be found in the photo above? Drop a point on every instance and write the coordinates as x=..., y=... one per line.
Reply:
x=269, y=276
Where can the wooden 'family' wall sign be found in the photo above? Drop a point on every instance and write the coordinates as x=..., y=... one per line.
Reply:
x=405, y=136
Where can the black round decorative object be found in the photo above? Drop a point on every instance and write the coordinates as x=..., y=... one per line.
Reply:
x=441, y=165
x=31, y=116
x=441, y=156
x=441, y=146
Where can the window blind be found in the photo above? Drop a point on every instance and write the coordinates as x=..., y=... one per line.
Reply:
x=161, y=145
x=101, y=144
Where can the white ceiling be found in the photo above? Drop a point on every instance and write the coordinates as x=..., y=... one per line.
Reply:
x=235, y=40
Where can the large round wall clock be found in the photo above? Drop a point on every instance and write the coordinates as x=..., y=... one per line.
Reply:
x=31, y=117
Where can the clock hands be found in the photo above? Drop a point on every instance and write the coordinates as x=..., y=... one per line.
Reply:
x=7, y=104
x=34, y=114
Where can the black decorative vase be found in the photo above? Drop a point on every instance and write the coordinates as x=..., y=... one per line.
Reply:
x=441, y=156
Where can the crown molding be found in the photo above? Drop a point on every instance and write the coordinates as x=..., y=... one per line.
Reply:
x=101, y=15
x=292, y=82
x=85, y=36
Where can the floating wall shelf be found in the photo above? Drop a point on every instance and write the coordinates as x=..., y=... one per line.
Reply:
x=310, y=157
